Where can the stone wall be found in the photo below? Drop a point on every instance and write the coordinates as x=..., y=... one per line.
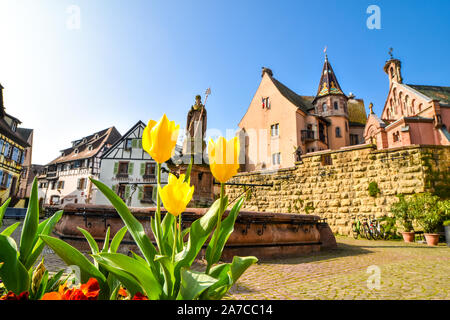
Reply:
x=339, y=190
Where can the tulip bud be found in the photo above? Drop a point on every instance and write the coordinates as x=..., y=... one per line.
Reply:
x=37, y=276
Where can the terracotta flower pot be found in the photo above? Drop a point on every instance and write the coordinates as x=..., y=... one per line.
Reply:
x=432, y=239
x=408, y=236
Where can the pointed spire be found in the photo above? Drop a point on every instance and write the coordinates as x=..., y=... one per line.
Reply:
x=328, y=82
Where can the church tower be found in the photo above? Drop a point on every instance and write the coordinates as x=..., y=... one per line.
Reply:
x=393, y=69
x=331, y=103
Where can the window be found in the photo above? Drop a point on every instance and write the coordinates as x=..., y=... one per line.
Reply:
x=128, y=144
x=53, y=185
x=396, y=136
x=123, y=168
x=136, y=143
x=325, y=159
x=60, y=185
x=274, y=130
x=148, y=169
x=276, y=158
x=77, y=164
x=336, y=105
x=54, y=200
x=81, y=185
x=90, y=147
x=346, y=126
x=354, y=139
x=76, y=151
x=14, y=126
x=338, y=132
x=266, y=103
x=324, y=107
x=147, y=193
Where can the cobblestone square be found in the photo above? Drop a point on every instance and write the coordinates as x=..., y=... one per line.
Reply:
x=407, y=271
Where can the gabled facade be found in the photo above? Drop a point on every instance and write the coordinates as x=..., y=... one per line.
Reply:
x=12, y=149
x=66, y=179
x=412, y=114
x=130, y=171
x=280, y=125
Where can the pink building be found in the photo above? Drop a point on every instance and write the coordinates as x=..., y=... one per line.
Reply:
x=281, y=125
x=412, y=114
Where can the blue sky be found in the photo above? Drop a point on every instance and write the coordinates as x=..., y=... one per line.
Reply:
x=135, y=60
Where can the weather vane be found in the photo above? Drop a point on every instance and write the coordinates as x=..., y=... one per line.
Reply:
x=325, y=51
x=390, y=53
x=207, y=93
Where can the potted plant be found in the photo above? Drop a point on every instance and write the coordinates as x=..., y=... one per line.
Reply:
x=447, y=232
x=429, y=212
x=401, y=212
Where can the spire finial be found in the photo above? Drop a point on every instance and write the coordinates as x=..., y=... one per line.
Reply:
x=390, y=52
x=325, y=51
x=371, y=108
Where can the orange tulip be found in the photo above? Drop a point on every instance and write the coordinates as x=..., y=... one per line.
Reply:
x=87, y=291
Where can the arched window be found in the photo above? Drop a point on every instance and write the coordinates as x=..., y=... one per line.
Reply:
x=324, y=107
x=420, y=107
x=336, y=105
x=392, y=72
x=338, y=132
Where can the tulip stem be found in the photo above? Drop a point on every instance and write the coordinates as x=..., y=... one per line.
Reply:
x=219, y=222
x=175, y=239
x=158, y=209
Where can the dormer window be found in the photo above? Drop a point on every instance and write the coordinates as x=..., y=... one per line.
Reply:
x=90, y=147
x=84, y=140
x=14, y=126
x=96, y=136
x=76, y=151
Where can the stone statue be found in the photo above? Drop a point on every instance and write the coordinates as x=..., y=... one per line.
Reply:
x=196, y=128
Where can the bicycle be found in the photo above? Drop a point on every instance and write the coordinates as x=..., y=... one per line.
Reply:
x=360, y=228
x=376, y=229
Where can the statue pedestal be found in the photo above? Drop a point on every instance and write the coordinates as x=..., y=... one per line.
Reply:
x=202, y=180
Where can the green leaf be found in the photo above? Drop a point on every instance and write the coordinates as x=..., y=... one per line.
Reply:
x=106, y=242
x=168, y=273
x=72, y=256
x=227, y=274
x=38, y=243
x=9, y=230
x=239, y=265
x=118, y=237
x=90, y=239
x=199, y=233
x=30, y=224
x=226, y=229
x=14, y=275
x=134, y=226
x=53, y=282
x=127, y=279
x=139, y=270
x=187, y=176
x=193, y=284
x=3, y=210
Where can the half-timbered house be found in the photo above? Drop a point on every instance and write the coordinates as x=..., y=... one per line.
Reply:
x=130, y=171
x=66, y=179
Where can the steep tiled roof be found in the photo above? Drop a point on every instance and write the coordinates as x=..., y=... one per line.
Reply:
x=434, y=92
x=97, y=140
x=297, y=100
x=7, y=131
x=328, y=83
x=24, y=133
x=356, y=112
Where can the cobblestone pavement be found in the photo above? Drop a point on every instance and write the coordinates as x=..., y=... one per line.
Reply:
x=407, y=271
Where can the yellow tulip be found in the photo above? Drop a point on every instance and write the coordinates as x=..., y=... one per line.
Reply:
x=224, y=158
x=159, y=139
x=176, y=195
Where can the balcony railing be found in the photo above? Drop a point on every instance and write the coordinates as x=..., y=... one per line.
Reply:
x=307, y=135
x=51, y=174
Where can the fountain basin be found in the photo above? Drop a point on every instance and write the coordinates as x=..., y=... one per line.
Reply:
x=261, y=234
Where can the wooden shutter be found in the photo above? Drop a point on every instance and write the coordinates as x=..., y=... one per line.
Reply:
x=134, y=143
x=154, y=193
x=130, y=168
x=116, y=167
x=114, y=188
x=141, y=193
x=143, y=169
x=127, y=192
x=140, y=143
